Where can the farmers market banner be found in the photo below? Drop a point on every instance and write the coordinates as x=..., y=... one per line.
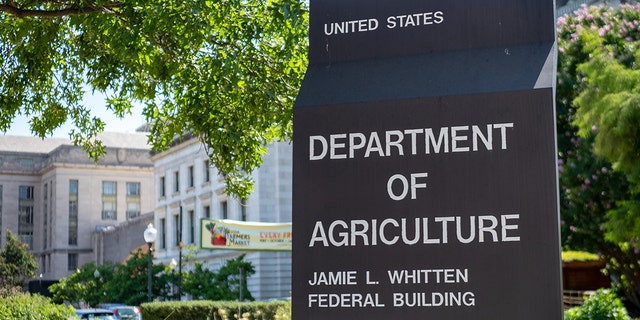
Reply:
x=243, y=235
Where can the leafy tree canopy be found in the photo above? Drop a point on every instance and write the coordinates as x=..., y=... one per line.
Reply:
x=125, y=283
x=229, y=283
x=19, y=305
x=226, y=71
x=598, y=137
x=17, y=263
x=610, y=105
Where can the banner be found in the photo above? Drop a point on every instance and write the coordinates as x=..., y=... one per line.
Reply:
x=243, y=235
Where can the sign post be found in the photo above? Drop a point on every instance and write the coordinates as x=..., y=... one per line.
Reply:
x=425, y=178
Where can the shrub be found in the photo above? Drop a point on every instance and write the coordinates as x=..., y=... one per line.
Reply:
x=214, y=310
x=604, y=305
x=27, y=306
x=284, y=312
x=579, y=256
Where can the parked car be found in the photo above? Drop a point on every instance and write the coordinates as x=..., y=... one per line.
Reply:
x=127, y=313
x=110, y=305
x=101, y=314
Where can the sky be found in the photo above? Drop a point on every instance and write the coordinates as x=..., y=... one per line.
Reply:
x=130, y=123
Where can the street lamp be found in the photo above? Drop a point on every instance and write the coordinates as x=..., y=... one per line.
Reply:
x=96, y=274
x=150, y=237
x=172, y=265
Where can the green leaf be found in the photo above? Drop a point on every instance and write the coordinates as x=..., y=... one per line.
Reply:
x=228, y=71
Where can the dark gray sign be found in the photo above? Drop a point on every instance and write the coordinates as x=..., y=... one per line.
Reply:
x=363, y=29
x=424, y=171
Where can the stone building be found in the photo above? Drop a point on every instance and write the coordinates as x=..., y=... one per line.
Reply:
x=186, y=182
x=71, y=211
x=55, y=198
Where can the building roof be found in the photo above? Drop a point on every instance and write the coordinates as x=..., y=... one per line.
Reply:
x=131, y=140
x=31, y=144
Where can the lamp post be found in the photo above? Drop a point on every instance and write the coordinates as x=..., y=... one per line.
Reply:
x=150, y=237
x=180, y=244
x=172, y=265
x=96, y=274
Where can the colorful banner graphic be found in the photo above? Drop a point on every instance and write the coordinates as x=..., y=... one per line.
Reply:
x=243, y=235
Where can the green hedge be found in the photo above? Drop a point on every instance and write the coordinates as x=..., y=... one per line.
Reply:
x=25, y=306
x=579, y=256
x=604, y=305
x=216, y=310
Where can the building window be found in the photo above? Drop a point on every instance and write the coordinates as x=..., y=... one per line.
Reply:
x=45, y=206
x=192, y=227
x=176, y=224
x=25, y=192
x=109, y=202
x=50, y=214
x=133, y=200
x=25, y=214
x=224, y=209
x=176, y=181
x=207, y=211
x=26, y=163
x=205, y=172
x=163, y=187
x=190, y=176
x=72, y=262
x=163, y=233
x=133, y=188
x=73, y=212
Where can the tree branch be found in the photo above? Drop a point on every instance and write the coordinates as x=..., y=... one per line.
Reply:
x=21, y=13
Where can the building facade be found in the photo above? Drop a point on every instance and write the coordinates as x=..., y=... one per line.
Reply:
x=54, y=198
x=185, y=182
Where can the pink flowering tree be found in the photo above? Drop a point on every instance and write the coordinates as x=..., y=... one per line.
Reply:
x=598, y=109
